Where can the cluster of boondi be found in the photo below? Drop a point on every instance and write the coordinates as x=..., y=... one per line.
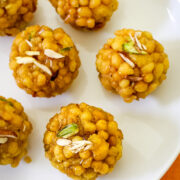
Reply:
x=82, y=141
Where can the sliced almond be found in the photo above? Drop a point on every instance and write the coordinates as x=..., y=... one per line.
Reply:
x=127, y=60
x=63, y=142
x=130, y=35
x=51, y=63
x=81, y=161
x=28, y=60
x=42, y=30
x=29, y=43
x=133, y=78
x=144, y=47
x=52, y=54
x=77, y=146
x=32, y=53
x=8, y=136
x=24, y=128
x=3, y=140
x=7, y=133
x=88, y=147
x=137, y=40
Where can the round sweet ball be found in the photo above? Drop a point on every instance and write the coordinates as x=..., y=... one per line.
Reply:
x=15, y=14
x=132, y=64
x=83, y=141
x=85, y=14
x=14, y=131
x=44, y=61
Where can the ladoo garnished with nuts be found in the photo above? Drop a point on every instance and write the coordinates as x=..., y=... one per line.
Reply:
x=83, y=141
x=132, y=64
x=44, y=61
x=14, y=131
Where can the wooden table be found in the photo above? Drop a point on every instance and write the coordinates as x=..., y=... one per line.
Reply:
x=174, y=171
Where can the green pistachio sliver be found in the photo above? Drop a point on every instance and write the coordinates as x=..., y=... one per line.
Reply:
x=31, y=35
x=4, y=100
x=66, y=49
x=143, y=52
x=129, y=47
x=68, y=131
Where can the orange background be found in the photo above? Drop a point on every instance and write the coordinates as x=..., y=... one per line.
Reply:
x=174, y=171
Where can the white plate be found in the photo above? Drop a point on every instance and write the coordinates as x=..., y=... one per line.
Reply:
x=151, y=127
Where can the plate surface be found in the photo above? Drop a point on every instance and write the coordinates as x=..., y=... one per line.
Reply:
x=151, y=127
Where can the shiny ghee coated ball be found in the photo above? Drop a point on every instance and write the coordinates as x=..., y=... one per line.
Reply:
x=85, y=14
x=15, y=14
x=132, y=64
x=14, y=131
x=44, y=61
x=83, y=141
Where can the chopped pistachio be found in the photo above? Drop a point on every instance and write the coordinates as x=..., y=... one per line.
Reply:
x=66, y=49
x=129, y=47
x=10, y=103
x=31, y=35
x=68, y=131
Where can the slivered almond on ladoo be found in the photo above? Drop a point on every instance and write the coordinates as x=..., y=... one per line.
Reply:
x=85, y=138
x=14, y=131
x=7, y=133
x=45, y=68
x=132, y=64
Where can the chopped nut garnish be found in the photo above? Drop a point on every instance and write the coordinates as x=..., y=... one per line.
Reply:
x=10, y=103
x=32, y=53
x=28, y=60
x=7, y=134
x=144, y=47
x=68, y=131
x=133, y=78
x=127, y=60
x=77, y=146
x=52, y=54
x=66, y=49
x=3, y=140
x=130, y=46
x=63, y=142
x=42, y=30
x=51, y=63
x=32, y=35
x=137, y=40
x=24, y=128
x=130, y=35
x=28, y=42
